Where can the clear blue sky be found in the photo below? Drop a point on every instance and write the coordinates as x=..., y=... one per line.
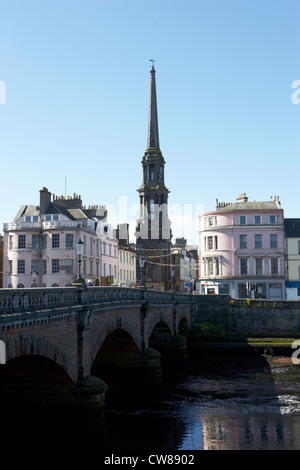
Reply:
x=77, y=81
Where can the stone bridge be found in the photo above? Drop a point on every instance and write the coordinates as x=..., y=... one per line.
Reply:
x=77, y=341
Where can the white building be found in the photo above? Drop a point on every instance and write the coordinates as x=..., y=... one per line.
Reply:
x=40, y=244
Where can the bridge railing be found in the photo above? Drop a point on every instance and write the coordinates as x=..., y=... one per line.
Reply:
x=31, y=299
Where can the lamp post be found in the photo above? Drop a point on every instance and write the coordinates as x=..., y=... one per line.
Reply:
x=142, y=264
x=79, y=251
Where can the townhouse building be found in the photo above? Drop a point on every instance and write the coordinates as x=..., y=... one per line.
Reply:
x=184, y=266
x=40, y=244
x=241, y=249
x=127, y=257
x=292, y=253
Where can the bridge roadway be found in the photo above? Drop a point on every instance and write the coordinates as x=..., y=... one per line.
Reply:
x=77, y=341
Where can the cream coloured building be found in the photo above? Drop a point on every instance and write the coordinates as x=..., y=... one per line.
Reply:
x=40, y=244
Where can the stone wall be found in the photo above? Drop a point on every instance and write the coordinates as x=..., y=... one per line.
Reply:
x=220, y=315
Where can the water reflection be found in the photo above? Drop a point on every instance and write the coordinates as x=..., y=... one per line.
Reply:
x=240, y=402
x=249, y=403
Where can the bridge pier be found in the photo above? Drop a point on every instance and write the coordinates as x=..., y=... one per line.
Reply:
x=131, y=376
x=174, y=355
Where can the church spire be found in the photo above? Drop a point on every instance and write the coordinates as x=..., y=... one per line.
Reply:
x=153, y=140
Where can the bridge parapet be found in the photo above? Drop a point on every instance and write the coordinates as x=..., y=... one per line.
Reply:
x=18, y=300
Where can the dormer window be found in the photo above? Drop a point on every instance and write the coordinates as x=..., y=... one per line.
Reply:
x=51, y=217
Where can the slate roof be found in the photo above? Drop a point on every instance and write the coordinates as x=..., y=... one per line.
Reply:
x=246, y=206
x=292, y=228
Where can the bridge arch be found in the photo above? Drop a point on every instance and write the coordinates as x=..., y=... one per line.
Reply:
x=34, y=369
x=129, y=372
x=21, y=345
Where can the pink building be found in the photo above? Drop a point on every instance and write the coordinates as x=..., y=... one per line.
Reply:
x=241, y=249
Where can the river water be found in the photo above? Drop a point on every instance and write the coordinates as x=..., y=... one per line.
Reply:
x=244, y=403
x=237, y=400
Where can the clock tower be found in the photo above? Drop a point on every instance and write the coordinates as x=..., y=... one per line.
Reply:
x=153, y=232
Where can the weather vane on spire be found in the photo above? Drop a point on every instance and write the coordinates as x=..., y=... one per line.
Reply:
x=151, y=60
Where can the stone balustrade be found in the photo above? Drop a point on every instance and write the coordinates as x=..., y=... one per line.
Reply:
x=32, y=299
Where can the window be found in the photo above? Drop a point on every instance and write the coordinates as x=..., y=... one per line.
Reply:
x=298, y=247
x=257, y=220
x=210, y=221
x=91, y=246
x=91, y=267
x=44, y=266
x=44, y=242
x=27, y=218
x=243, y=241
x=259, y=266
x=149, y=273
x=243, y=220
x=224, y=289
x=35, y=242
x=55, y=217
x=243, y=266
x=210, y=243
x=21, y=266
x=210, y=267
x=216, y=242
x=34, y=266
x=272, y=219
x=35, y=218
x=273, y=241
x=55, y=266
x=217, y=261
x=69, y=266
x=104, y=269
x=274, y=266
x=55, y=240
x=258, y=241
x=10, y=267
x=69, y=240
x=10, y=242
x=21, y=242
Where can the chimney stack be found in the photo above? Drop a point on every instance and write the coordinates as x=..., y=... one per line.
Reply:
x=242, y=198
x=45, y=199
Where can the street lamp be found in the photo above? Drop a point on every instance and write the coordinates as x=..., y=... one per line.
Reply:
x=142, y=264
x=79, y=251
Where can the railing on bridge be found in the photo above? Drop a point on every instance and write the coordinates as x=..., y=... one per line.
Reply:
x=31, y=299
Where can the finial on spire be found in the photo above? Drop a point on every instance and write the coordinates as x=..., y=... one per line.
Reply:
x=151, y=60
